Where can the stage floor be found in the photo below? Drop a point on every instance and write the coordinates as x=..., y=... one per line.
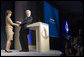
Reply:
x=31, y=53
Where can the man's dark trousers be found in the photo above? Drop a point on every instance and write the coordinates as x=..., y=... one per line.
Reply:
x=24, y=39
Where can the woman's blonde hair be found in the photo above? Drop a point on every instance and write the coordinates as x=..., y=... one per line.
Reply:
x=8, y=12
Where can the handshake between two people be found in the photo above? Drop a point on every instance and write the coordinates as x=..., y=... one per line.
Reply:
x=18, y=23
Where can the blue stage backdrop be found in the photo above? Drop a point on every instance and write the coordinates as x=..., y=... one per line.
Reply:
x=51, y=17
x=30, y=37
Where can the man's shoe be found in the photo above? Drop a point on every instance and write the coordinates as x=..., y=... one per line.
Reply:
x=26, y=50
x=23, y=50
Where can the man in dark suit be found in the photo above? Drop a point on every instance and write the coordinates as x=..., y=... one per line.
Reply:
x=25, y=31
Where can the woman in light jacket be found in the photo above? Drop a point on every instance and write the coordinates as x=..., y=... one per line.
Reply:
x=9, y=30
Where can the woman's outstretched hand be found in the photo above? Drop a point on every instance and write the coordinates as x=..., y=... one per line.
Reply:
x=17, y=25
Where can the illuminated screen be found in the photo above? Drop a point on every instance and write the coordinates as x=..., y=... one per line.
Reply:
x=66, y=27
x=51, y=17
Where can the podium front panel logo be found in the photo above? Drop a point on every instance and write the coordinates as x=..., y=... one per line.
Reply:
x=44, y=33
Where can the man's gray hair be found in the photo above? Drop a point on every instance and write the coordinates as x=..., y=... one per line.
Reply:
x=28, y=11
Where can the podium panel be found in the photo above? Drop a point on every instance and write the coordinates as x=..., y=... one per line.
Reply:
x=42, y=36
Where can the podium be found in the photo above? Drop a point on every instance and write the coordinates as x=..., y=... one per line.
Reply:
x=42, y=36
